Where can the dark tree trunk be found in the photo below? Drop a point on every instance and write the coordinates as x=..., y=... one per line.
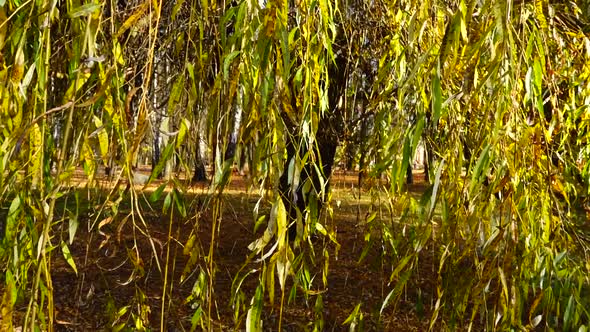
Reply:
x=330, y=129
x=350, y=154
x=294, y=200
x=409, y=175
x=200, y=174
x=245, y=159
x=230, y=151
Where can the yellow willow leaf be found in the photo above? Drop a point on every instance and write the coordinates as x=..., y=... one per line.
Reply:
x=184, y=128
x=3, y=28
x=15, y=111
x=140, y=131
x=108, y=104
x=283, y=267
x=84, y=10
x=499, y=9
x=68, y=256
x=76, y=85
x=18, y=68
x=176, y=94
x=205, y=7
x=87, y=156
x=557, y=186
x=118, y=53
x=284, y=9
x=176, y=8
x=132, y=19
x=281, y=221
x=324, y=12
x=450, y=40
x=36, y=154
x=539, y=5
x=270, y=279
x=270, y=22
x=103, y=139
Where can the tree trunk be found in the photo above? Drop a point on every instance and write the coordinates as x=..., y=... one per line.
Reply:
x=200, y=174
x=295, y=200
x=330, y=129
x=156, y=151
x=409, y=175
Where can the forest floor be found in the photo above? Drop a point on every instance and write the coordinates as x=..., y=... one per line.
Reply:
x=105, y=282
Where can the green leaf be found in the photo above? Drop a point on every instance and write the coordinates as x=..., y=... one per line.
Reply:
x=285, y=52
x=73, y=227
x=87, y=9
x=371, y=217
x=175, y=94
x=397, y=290
x=353, y=315
x=179, y=202
x=400, y=266
x=68, y=256
x=227, y=62
x=253, y=321
x=167, y=203
x=118, y=327
x=480, y=166
x=12, y=219
x=568, y=315
x=538, y=76
x=155, y=196
x=197, y=318
x=530, y=44
x=418, y=129
x=559, y=258
x=11, y=289
x=162, y=162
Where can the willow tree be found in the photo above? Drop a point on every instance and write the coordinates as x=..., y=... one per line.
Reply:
x=499, y=105
x=497, y=92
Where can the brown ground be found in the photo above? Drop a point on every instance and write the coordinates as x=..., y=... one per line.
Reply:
x=105, y=275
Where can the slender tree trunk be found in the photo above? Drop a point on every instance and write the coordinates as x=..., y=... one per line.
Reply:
x=409, y=175
x=200, y=174
x=350, y=153
x=230, y=150
x=362, y=152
